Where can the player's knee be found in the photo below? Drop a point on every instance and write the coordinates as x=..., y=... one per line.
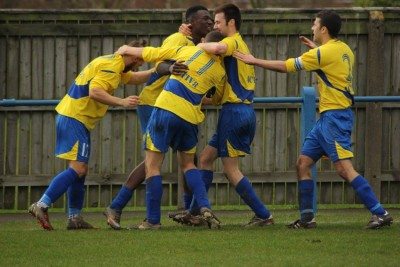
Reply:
x=205, y=161
x=302, y=165
x=80, y=168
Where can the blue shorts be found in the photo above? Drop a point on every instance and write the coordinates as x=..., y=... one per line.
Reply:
x=331, y=136
x=165, y=129
x=144, y=113
x=73, y=139
x=235, y=130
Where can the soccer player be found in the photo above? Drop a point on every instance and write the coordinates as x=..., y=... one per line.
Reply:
x=237, y=120
x=201, y=21
x=173, y=122
x=79, y=111
x=333, y=62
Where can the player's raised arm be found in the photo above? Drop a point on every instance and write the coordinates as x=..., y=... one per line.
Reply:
x=214, y=48
x=275, y=65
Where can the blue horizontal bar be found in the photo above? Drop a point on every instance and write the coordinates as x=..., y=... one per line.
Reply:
x=53, y=102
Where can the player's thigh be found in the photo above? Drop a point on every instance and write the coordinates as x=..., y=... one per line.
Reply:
x=72, y=140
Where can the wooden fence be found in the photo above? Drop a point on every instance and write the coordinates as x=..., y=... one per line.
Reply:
x=41, y=52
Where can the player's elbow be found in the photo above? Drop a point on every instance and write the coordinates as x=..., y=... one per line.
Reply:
x=220, y=49
x=94, y=93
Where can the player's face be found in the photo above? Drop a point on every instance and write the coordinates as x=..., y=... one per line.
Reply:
x=316, y=29
x=202, y=23
x=220, y=24
x=134, y=65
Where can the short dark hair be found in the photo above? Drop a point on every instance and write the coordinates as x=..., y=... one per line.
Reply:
x=214, y=36
x=138, y=43
x=331, y=20
x=192, y=10
x=231, y=12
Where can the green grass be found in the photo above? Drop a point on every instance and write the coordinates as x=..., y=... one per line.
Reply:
x=339, y=240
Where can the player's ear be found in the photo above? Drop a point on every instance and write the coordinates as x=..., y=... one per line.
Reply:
x=203, y=40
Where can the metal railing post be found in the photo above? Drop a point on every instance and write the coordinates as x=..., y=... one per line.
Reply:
x=308, y=114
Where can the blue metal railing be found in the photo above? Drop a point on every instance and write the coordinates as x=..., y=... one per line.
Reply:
x=308, y=102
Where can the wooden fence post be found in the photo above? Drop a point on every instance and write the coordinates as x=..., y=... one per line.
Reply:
x=375, y=82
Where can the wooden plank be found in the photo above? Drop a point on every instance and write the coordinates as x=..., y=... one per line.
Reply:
x=12, y=68
x=267, y=193
x=269, y=141
x=395, y=84
x=105, y=144
x=375, y=80
x=394, y=192
x=24, y=145
x=361, y=56
x=48, y=117
x=22, y=198
x=222, y=194
x=337, y=193
x=291, y=193
x=11, y=143
x=270, y=76
x=83, y=52
x=293, y=138
x=105, y=195
x=72, y=60
x=257, y=156
x=349, y=194
x=325, y=193
x=118, y=144
x=384, y=199
x=359, y=137
x=132, y=131
x=92, y=196
x=3, y=84
x=140, y=196
x=37, y=70
x=9, y=198
x=395, y=143
x=233, y=197
x=280, y=192
x=165, y=196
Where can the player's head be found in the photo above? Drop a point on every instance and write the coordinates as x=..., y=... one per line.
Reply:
x=227, y=19
x=327, y=22
x=213, y=36
x=200, y=20
x=134, y=62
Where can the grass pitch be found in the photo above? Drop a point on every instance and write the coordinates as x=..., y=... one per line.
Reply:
x=339, y=240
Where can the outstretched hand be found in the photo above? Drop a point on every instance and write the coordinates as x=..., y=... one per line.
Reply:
x=178, y=68
x=185, y=29
x=246, y=58
x=307, y=42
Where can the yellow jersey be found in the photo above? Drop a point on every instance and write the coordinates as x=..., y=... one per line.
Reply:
x=182, y=94
x=156, y=82
x=105, y=72
x=241, y=77
x=333, y=62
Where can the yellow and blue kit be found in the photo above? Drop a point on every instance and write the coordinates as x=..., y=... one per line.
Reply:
x=237, y=120
x=78, y=113
x=333, y=62
x=156, y=82
x=178, y=107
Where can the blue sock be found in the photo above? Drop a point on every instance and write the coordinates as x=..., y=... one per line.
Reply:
x=187, y=199
x=367, y=196
x=306, y=192
x=122, y=198
x=246, y=192
x=59, y=186
x=196, y=184
x=207, y=177
x=76, y=196
x=153, y=199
